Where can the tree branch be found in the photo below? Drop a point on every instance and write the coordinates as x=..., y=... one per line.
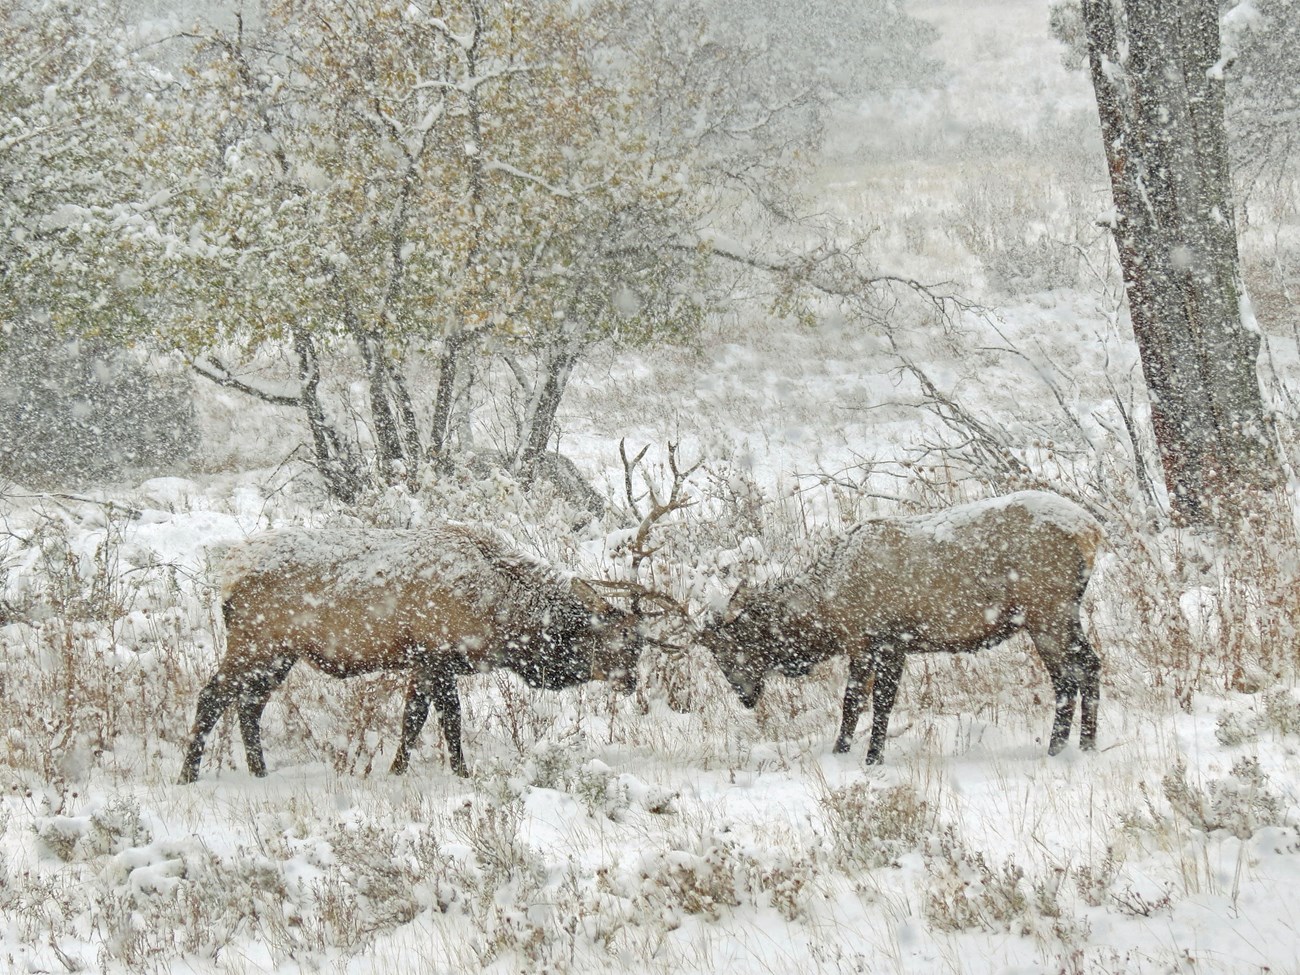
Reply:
x=218, y=373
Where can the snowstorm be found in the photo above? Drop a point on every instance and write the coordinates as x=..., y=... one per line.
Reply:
x=581, y=486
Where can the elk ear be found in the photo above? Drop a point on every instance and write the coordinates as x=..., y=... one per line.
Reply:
x=737, y=603
x=586, y=594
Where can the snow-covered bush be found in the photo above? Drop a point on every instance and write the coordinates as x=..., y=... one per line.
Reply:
x=72, y=412
x=1241, y=802
x=871, y=827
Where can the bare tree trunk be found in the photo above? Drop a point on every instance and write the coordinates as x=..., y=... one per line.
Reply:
x=458, y=342
x=396, y=439
x=336, y=459
x=1160, y=98
x=406, y=414
x=453, y=349
x=539, y=421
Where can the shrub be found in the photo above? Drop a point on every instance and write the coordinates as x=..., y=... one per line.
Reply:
x=1240, y=803
x=72, y=412
x=872, y=827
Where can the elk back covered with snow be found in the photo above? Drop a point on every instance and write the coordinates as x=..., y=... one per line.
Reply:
x=442, y=601
x=964, y=578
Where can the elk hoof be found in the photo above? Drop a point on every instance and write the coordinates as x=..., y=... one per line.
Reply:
x=1056, y=747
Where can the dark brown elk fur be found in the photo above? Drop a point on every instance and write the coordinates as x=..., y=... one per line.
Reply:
x=440, y=601
x=956, y=581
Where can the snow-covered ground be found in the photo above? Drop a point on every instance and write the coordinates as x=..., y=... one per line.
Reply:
x=671, y=830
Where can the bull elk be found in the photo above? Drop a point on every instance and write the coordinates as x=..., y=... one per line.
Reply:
x=959, y=580
x=440, y=601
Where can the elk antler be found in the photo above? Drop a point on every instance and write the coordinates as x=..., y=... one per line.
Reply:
x=622, y=587
x=639, y=547
x=671, y=608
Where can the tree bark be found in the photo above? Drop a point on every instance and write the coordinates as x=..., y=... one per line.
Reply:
x=449, y=362
x=540, y=418
x=1160, y=98
x=335, y=458
x=390, y=410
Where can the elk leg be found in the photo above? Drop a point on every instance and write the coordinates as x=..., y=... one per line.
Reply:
x=1065, y=685
x=213, y=701
x=413, y=717
x=861, y=668
x=253, y=695
x=432, y=684
x=1089, y=666
x=889, y=671
x=447, y=701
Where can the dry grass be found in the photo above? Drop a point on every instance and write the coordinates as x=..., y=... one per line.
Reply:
x=330, y=859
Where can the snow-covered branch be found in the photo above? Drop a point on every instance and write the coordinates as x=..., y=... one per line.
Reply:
x=278, y=394
x=497, y=166
x=831, y=271
x=471, y=85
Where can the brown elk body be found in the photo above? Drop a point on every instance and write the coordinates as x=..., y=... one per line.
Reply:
x=956, y=581
x=440, y=601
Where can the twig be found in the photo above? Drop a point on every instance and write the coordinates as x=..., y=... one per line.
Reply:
x=218, y=373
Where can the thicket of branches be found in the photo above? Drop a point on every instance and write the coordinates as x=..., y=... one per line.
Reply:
x=408, y=194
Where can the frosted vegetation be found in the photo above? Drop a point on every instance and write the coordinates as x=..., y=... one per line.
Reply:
x=150, y=421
